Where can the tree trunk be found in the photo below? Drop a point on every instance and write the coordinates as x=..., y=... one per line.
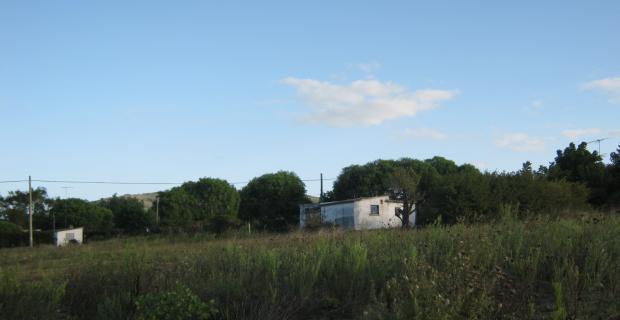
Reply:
x=406, y=214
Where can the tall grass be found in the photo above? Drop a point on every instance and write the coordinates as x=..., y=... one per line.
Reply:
x=511, y=269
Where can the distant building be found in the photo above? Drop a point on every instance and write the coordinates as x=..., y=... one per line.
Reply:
x=356, y=214
x=67, y=236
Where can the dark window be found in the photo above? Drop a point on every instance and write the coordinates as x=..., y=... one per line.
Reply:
x=374, y=209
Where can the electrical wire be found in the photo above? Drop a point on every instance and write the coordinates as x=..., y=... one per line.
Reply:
x=131, y=183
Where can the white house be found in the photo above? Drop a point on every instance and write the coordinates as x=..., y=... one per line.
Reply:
x=65, y=236
x=356, y=214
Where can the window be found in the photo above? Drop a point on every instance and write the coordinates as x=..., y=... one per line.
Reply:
x=69, y=236
x=374, y=209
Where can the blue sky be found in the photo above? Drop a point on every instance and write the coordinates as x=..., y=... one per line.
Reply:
x=156, y=91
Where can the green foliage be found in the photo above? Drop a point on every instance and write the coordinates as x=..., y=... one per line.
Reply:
x=272, y=200
x=81, y=213
x=204, y=203
x=374, y=178
x=462, y=192
x=509, y=269
x=129, y=214
x=29, y=300
x=405, y=187
x=10, y=234
x=14, y=207
x=578, y=164
x=180, y=304
x=612, y=183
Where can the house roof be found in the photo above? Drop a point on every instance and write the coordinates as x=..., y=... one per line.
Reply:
x=346, y=201
x=69, y=229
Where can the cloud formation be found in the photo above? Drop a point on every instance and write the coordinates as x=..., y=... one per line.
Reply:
x=423, y=133
x=610, y=85
x=578, y=133
x=520, y=142
x=362, y=102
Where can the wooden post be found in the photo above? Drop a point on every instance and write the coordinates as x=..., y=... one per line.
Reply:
x=321, y=195
x=157, y=211
x=30, y=209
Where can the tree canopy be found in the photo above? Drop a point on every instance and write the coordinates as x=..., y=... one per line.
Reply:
x=81, y=213
x=129, y=214
x=207, y=202
x=272, y=200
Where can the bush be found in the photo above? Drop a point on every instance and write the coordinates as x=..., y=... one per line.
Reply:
x=10, y=234
x=179, y=304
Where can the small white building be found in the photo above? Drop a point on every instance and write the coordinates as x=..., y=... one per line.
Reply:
x=356, y=214
x=66, y=236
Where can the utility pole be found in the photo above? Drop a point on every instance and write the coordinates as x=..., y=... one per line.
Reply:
x=321, y=196
x=157, y=211
x=30, y=209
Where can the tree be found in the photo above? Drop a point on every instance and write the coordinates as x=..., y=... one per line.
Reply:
x=210, y=203
x=81, y=213
x=613, y=179
x=272, y=200
x=405, y=187
x=374, y=178
x=129, y=214
x=578, y=164
x=14, y=207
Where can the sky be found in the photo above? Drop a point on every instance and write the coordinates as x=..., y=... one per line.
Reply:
x=171, y=91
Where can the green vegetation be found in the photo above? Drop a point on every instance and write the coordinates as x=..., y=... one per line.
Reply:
x=435, y=189
x=204, y=204
x=271, y=201
x=542, y=268
x=81, y=213
x=129, y=214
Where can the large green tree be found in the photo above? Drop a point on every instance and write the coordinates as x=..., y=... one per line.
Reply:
x=129, y=214
x=74, y=212
x=405, y=186
x=374, y=178
x=272, y=200
x=14, y=207
x=207, y=203
x=578, y=164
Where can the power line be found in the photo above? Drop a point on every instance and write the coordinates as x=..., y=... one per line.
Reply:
x=13, y=181
x=129, y=182
x=105, y=182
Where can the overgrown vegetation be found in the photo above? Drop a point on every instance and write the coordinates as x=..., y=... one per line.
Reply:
x=437, y=188
x=542, y=268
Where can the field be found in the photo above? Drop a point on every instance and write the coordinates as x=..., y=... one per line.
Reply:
x=536, y=269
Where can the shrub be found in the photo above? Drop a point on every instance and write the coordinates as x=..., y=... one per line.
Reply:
x=10, y=234
x=179, y=304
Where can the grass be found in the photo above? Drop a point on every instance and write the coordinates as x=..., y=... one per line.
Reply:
x=536, y=269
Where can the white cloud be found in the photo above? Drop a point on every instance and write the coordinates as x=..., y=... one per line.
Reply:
x=578, y=133
x=611, y=85
x=614, y=133
x=363, y=102
x=424, y=133
x=537, y=104
x=520, y=142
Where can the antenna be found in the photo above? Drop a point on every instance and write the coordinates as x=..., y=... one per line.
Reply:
x=599, y=143
x=66, y=191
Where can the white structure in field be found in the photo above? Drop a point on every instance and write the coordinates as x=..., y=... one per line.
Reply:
x=66, y=236
x=357, y=214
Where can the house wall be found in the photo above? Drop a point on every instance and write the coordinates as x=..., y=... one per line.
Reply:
x=385, y=219
x=63, y=237
x=341, y=214
x=356, y=214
